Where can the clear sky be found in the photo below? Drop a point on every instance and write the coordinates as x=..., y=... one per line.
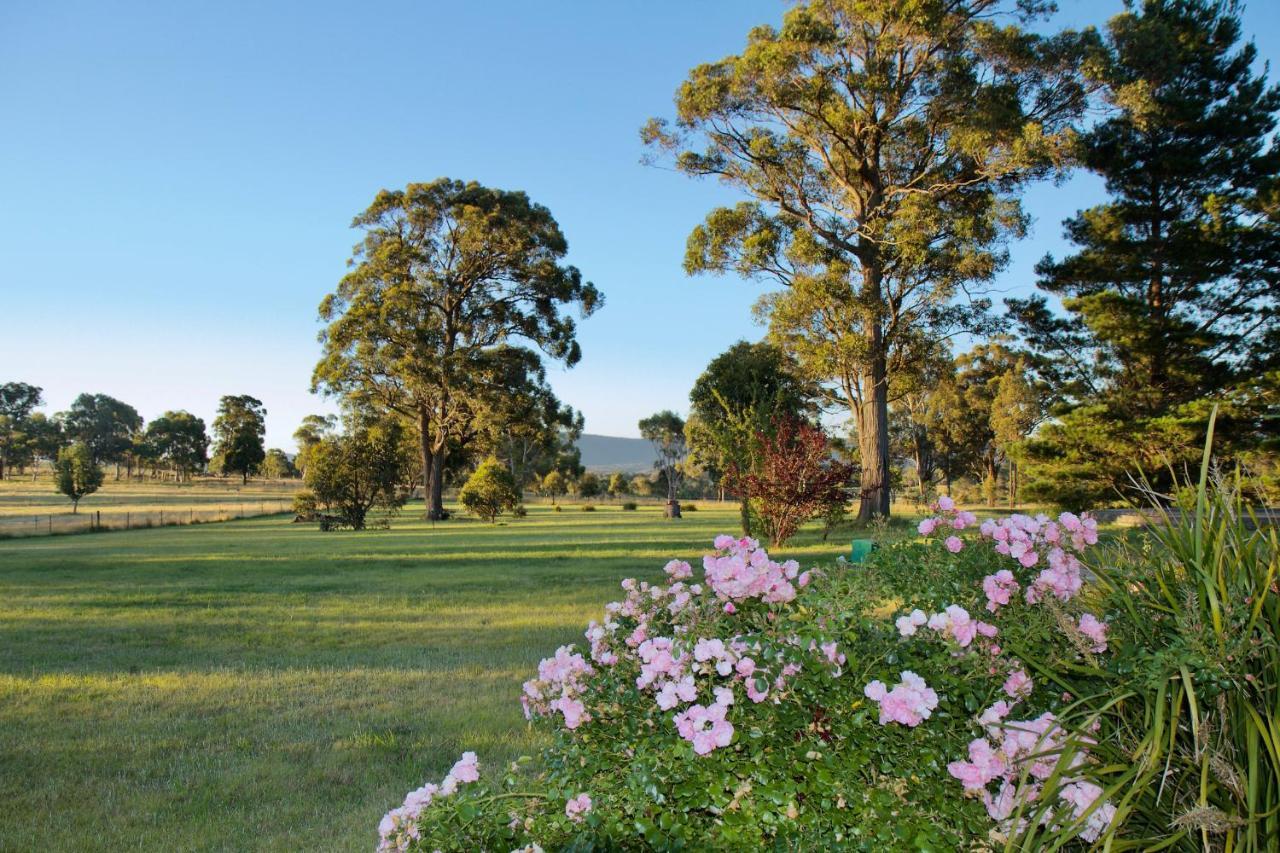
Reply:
x=177, y=181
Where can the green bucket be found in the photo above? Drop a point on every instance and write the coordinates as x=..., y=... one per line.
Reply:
x=860, y=549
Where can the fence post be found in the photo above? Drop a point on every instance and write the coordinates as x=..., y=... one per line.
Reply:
x=51, y=525
x=98, y=522
x=191, y=515
x=126, y=521
x=162, y=518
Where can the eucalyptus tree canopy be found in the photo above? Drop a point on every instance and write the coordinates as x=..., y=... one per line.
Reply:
x=882, y=145
x=665, y=431
x=518, y=418
x=104, y=424
x=179, y=439
x=357, y=470
x=446, y=272
x=17, y=400
x=238, y=432
x=312, y=430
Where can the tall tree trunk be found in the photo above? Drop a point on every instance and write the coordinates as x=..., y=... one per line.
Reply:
x=873, y=436
x=428, y=460
x=873, y=409
x=435, y=506
x=244, y=477
x=919, y=468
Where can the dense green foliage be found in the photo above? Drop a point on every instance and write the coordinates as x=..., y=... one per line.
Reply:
x=353, y=472
x=736, y=400
x=17, y=402
x=104, y=424
x=238, y=432
x=446, y=274
x=489, y=491
x=1171, y=294
x=883, y=145
x=277, y=465
x=178, y=440
x=76, y=474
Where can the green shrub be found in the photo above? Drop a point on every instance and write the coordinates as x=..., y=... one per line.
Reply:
x=588, y=508
x=629, y=506
x=519, y=511
x=557, y=508
x=305, y=506
x=688, y=507
x=809, y=761
x=489, y=491
x=357, y=471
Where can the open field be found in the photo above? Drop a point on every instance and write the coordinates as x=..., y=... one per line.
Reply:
x=261, y=685
x=34, y=507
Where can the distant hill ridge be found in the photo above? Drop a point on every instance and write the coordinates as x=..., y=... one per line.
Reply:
x=613, y=453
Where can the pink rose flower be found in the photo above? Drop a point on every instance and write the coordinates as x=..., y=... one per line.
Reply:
x=574, y=809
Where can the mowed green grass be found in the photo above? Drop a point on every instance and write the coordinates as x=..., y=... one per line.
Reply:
x=261, y=685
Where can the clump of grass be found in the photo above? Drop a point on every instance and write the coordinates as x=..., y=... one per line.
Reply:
x=1189, y=718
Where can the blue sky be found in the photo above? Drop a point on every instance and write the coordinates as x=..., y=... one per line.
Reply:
x=177, y=181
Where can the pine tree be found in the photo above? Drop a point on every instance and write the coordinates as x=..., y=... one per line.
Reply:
x=1172, y=293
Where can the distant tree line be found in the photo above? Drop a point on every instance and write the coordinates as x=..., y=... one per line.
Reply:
x=105, y=432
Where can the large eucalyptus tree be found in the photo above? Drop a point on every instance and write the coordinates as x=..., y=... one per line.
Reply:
x=446, y=273
x=882, y=144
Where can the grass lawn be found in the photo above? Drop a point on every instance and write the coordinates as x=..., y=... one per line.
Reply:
x=261, y=685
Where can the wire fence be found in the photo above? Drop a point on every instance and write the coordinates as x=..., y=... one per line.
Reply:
x=89, y=521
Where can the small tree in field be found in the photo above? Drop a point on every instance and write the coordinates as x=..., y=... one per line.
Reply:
x=359, y=470
x=618, y=484
x=76, y=473
x=553, y=485
x=665, y=431
x=797, y=478
x=588, y=486
x=490, y=490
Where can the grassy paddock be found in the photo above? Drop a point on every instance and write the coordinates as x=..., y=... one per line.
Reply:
x=35, y=507
x=261, y=685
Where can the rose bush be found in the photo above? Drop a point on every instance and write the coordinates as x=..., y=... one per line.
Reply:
x=762, y=706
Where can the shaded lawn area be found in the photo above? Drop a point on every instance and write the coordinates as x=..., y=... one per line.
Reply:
x=261, y=685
